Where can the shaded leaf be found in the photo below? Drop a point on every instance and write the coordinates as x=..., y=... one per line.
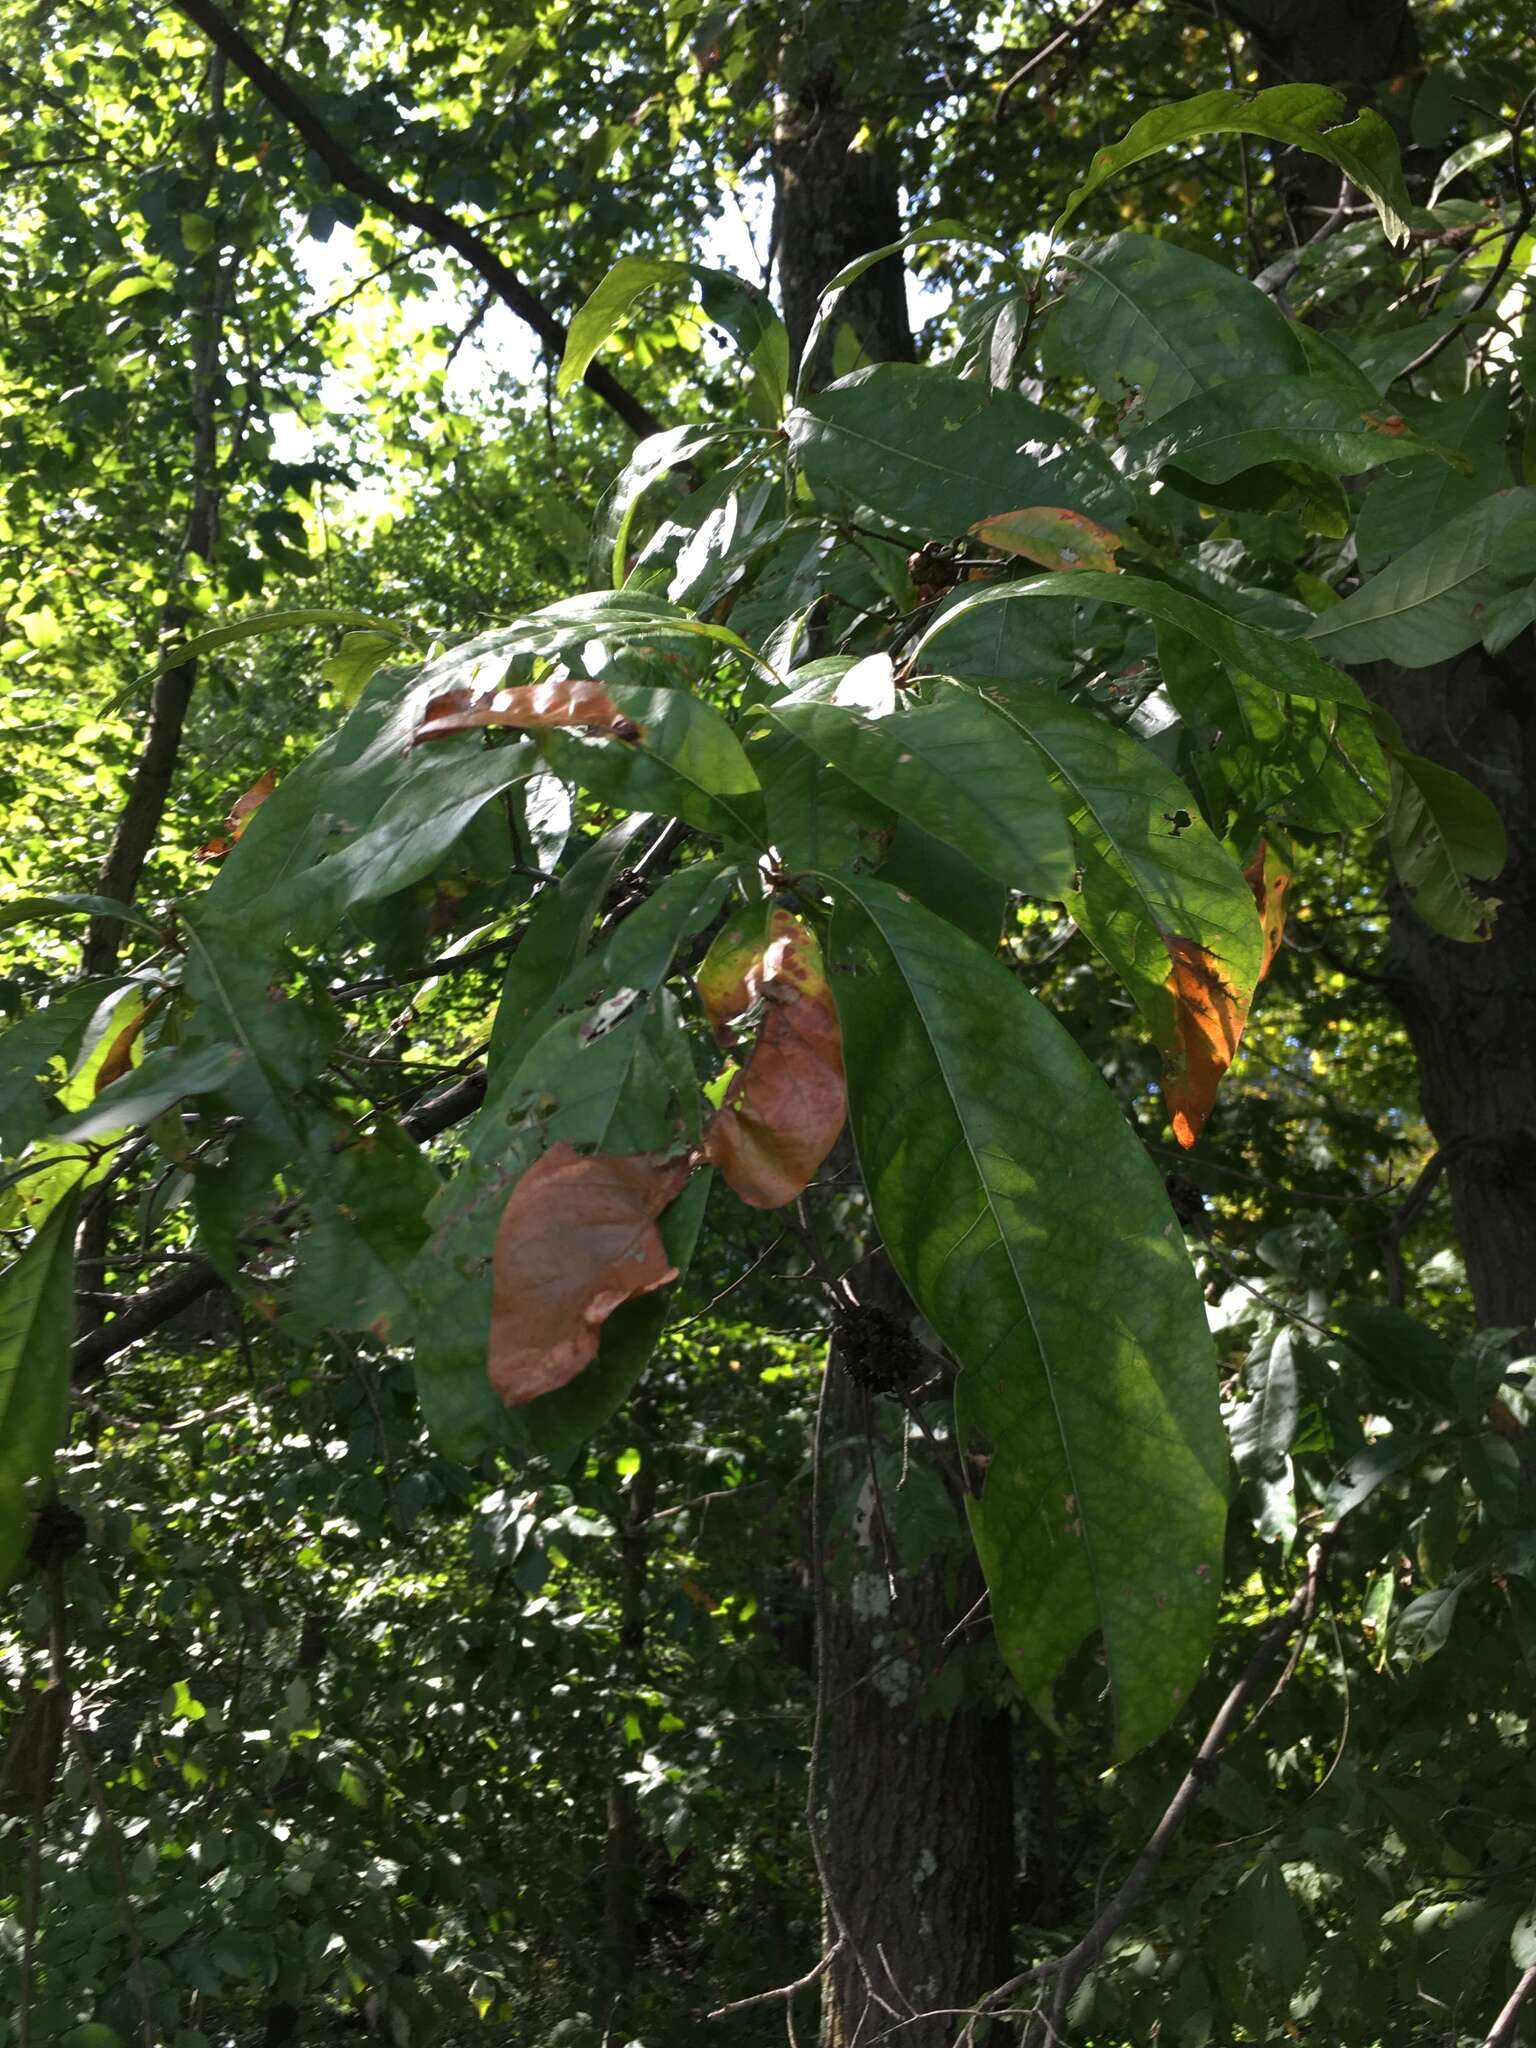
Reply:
x=577, y=1238
x=159, y=1080
x=49, y=909
x=1309, y=117
x=745, y=312
x=1316, y=420
x=355, y=660
x=1444, y=834
x=36, y=1311
x=1146, y=313
x=1432, y=601
x=1289, y=666
x=1015, y=1202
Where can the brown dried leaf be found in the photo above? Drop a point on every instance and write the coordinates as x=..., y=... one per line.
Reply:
x=120, y=1052
x=577, y=1238
x=531, y=707
x=784, y=1109
x=241, y=811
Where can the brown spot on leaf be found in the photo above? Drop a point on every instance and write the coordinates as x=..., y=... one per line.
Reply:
x=530, y=707
x=577, y=1238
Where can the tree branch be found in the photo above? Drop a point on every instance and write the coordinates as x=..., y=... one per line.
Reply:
x=1502, y=2032
x=451, y=234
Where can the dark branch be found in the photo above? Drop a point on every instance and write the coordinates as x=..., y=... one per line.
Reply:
x=403, y=206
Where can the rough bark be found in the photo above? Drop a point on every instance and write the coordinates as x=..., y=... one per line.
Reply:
x=1324, y=42
x=834, y=201
x=917, y=1823
x=1471, y=1009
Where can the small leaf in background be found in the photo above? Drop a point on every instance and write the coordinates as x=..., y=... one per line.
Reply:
x=241, y=811
x=577, y=1238
x=574, y=700
x=1052, y=536
x=1444, y=834
x=785, y=1107
x=359, y=654
x=1208, y=1023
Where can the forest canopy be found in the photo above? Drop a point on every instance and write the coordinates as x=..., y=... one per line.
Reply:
x=767, y=1038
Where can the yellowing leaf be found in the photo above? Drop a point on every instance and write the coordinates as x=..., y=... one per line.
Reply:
x=241, y=811
x=577, y=1238
x=1053, y=537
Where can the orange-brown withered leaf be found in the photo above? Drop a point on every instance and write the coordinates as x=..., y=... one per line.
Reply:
x=241, y=812
x=1208, y=1023
x=531, y=707
x=578, y=1237
x=785, y=1107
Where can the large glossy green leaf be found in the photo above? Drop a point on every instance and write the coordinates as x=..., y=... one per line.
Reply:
x=36, y=1307
x=1234, y=427
x=1148, y=314
x=960, y=772
x=1033, y=1232
x=687, y=763
x=1290, y=666
x=816, y=817
x=1431, y=602
x=1309, y=117
x=933, y=453
x=1149, y=865
x=745, y=312
x=272, y=622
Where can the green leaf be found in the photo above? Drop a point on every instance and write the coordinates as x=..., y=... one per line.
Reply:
x=1289, y=666
x=553, y=944
x=1149, y=313
x=1416, y=500
x=1431, y=602
x=931, y=234
x=946, y=883
x=1444, y=835
x=159, y=1079
x=1522, y=1940
x=36, y=1310
x=268, y=622
x=650, y=460
x=1265, y=1426
x=51, y=908
x=1234, y=427
x=816, y=817
x=1015, y=1204
x=934, y=453
x=960, y=772
x=1149, y=863
x=356, y=659
x=1309, y=117
x=29, y=1048
x=1472, y=153
x=687, y=763
x=744, y=311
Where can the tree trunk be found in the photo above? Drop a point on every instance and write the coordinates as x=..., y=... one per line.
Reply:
x=917, y=1822
x=1471, y=1009
x=835, y=198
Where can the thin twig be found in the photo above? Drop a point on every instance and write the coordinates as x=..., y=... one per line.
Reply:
x=1503, y=2028
x=785, y=1991
x=1044, y=54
